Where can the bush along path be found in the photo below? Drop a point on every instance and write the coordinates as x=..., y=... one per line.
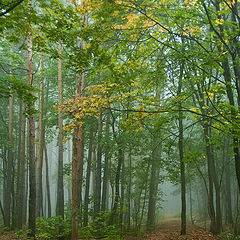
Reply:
x=169, y=229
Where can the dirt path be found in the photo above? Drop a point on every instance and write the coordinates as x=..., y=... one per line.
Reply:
x=170, y=229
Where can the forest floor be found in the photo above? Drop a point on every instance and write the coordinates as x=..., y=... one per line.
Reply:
x=169, y=229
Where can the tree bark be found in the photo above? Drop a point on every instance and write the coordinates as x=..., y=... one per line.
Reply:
x=78, y=152
x=31, y=146
x=97, y=191
x=114, y=216
x=155, y=159
x=39, y=199
x=106, y=167
x=60, y=188
x=9, y=168
x=21, y=187
x=88, y=175
x=47, y=182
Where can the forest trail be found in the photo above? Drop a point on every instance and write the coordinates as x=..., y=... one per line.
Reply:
x=169, y=229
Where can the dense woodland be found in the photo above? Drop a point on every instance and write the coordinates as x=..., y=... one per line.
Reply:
x=101, y=101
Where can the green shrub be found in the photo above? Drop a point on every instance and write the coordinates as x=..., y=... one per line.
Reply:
x=227, y=235
x=100, y=228
x=53, y=227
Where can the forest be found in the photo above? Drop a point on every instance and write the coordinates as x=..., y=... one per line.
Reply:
x=105, y=102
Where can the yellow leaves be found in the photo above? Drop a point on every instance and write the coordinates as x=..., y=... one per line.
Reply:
x=193, y=30
x=219, y=21
x=194, y=110
x=134, y=21
x=87, y=6
x=189, y=2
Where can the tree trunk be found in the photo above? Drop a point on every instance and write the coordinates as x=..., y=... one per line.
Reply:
x=155, y=159
x=78, y=152
x=182, y=174
x=21, y=187
x=106, y=167
x=229, y=217
x=60, y=188
x=39, y=198
x=122, y=202
x=47, y=182
x=9, y=167
x=31, y=147
x=97, y=191
x=129, y=188
x=114, y=216
x=88, y=175
x=190, y=202
x=180, y=150
x=210, y=160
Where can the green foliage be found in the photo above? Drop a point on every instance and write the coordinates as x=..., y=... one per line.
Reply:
x=50, y=228
x=228, y=235
x=100, y=228
x=53, y=227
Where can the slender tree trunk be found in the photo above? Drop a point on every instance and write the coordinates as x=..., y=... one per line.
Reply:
x=39, y=198
x=122, y=202
x=69, y=180
x=229, y=217
x=9, y=166
x=180, y=150
x=190, y=202
x=60, y=188
x=213, y=226
x=88, y=175
x=151, y=217
x=2, y=211
x=48, y=194
x=98, y=170
x=106, y=167
x=114, y=217
x=31, y=147
x=47, y=182
x=128, y=214
x=21, y=188
x=182, y=171
x=78, y=152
